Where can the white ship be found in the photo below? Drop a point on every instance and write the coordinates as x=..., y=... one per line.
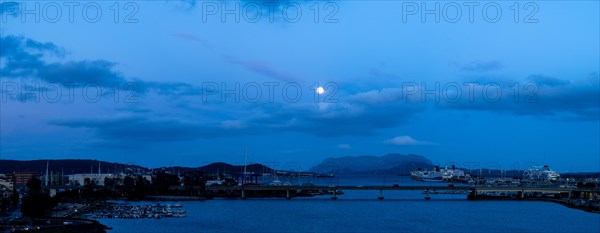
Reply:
x=541, y=173
x=437, y=174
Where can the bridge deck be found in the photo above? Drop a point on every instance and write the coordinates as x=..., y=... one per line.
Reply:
x=405, y=188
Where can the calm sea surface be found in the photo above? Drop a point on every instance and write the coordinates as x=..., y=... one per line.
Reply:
x=360, y=211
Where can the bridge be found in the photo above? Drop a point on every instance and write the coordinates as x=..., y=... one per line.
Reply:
x=474, y=190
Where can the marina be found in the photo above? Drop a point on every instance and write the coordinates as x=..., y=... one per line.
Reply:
x=155, y=211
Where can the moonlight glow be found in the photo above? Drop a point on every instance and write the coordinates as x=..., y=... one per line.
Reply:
x=320, y=90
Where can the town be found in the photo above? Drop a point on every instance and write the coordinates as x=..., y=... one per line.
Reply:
x=28, y=195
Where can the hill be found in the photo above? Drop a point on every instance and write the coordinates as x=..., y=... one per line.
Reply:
x=77, y=166
x=68, y=166
x=221, y=168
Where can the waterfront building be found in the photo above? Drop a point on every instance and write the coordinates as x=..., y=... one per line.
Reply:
x=97, y=179
x=21, y=177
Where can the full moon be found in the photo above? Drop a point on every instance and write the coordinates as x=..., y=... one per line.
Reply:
x=320, y=90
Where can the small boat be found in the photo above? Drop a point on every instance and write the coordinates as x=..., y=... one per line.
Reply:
x=179, y=214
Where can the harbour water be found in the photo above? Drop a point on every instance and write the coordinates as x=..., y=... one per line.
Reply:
x=360, y=211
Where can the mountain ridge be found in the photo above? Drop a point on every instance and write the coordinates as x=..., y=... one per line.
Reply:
x=86, y=166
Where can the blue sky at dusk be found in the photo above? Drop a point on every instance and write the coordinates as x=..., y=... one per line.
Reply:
x=161, y=83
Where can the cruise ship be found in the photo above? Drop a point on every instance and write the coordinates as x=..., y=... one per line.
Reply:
x=541, y=173
x=440, y=174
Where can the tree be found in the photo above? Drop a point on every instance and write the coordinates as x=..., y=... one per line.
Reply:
x=129, y=183
x=140, y=187
x=4, y=206
x=36, y=203
x=34, y=185
x=108, y=182
x=161, y=182
x=89, y=184
x=15, y=197
x=86, y=181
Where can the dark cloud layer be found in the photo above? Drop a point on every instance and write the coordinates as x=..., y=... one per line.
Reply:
x=25, y=58
x=143, y=129
x=363, y=113
x=270, y=118
x=543, y=96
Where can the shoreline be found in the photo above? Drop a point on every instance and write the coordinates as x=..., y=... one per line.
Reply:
x=585, y=205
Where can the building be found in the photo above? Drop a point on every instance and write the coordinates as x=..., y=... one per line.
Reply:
x=97, y=179
x=6, y=183
x=6, y=187
x=21, y=178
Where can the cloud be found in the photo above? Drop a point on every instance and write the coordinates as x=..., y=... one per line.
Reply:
x=169, y=88
x=544, y=96
x=407, y=141
x=262, y=68
x=24, y=58
x=98, y=72
x=361, y=113
x=542, y=80
x=381, y=96
x=136, y=129
x=338, y=119
x=192, y=38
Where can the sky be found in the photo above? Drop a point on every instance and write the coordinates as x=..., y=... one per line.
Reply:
x=505, y=84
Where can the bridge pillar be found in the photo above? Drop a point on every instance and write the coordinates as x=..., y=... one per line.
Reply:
x=380, y=195
x=472, y=195
x=288, y=195
x=522, y=194
x=334, y=197
x=244, y=194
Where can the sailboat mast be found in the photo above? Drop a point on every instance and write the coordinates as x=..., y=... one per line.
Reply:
x=46, y=176
x=245, y=164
